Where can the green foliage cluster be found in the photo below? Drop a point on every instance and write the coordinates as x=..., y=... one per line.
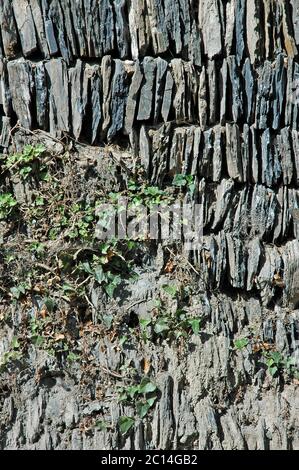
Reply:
x=275, y=361
x=166, y=325
x=7, y=205
x=14, y=354
x=142, y=396
x=28, y=162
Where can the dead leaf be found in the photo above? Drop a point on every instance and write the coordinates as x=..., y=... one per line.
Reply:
x=146, y=365
x=44, y=312
x=59, y=337
x=169, y=267
x=278, y=281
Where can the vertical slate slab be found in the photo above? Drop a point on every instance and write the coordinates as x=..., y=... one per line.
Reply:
x=147, y=89
x=41, y=96
x=118, y=99
x=20, y=72
x=58, y=83
x=133, y=98
x=240, y=30
x=25, y=24
x=9, y=30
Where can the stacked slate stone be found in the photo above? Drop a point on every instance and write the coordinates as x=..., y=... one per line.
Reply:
x=208, y=88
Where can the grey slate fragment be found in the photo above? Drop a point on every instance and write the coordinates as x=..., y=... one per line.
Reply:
x=295, y=13
x=202, y=100
x=133, y=98
x=245, y=151
x=249, y=81
x=5, y=93
x=162, y=67
x=59, y=113
x=118, y=99
x=37, y=15
x=213, y=92
x=218, y=153
x=9, y=30
x=237, y=95
x=69, y=24
x=173, y=24
x=191, y=87
x=223, y=91
x=254, y=30
x=285, y=150
x=25, y=24
x=107, y=73
x=295, y=146
x=167, y=97
x=107, y=26
x=5, y=135
x=195, y=46
x=263, y=96
x=92, y=85
x=223, y=201
x=240, y=30
x=278, y=91
x=267, y=159
x=233, y=152
x=157, y=25
x=160, y=143
x=76, y=94
x=255, y=155
x=147, y=89
x=121, y=28
x=49, y=28
x=51, y=39
x=20, y=72
x=77, y=9
x=139, y=28
x=41, y=96
x=210, y=25
x=145, y=150
x=56, y=15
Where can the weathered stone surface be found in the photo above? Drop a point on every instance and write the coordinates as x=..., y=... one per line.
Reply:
x=147, y=89
x=41, y=96
x=25, y=25
x=59, y=113
x=210, y=24
x=197, y=99
x=9, y=31
x=20, y=71
x=118, y=99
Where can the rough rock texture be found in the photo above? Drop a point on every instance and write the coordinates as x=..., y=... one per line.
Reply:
x=205, y=88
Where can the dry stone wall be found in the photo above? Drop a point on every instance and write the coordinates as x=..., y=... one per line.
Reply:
x=208, y=88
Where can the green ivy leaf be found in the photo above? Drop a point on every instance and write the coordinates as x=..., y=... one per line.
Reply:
x=107, y=320
x=241, y=343
x=146, y=386
x=101, y=425
x=99, y=274
x=123, y=340
x=15, y=343
x=171, y=290
x=195, y=325
x=179, y=180
x=125, y=424
x=273, y=370
x=72, y=357
x=142, y=409
x=38, y=341
x=161, y=326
